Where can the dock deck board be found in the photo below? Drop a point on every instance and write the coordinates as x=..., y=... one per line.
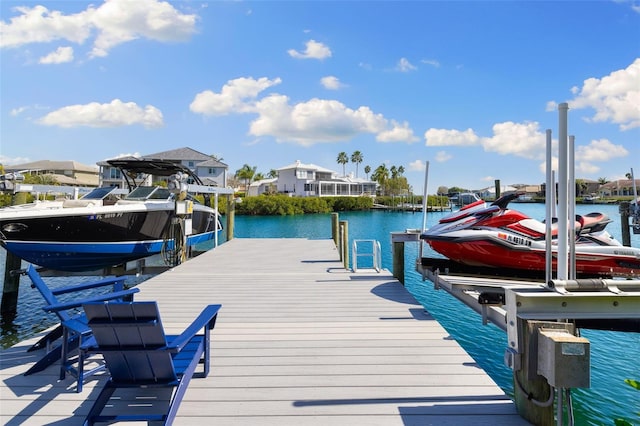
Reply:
x=299, y=341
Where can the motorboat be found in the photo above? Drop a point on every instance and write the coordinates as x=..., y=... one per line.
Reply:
x=494, y=236
x=102, y=230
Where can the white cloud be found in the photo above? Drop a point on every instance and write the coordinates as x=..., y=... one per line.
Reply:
x=314, y=121
x=520, y=139
x=8, y=161
x=305, y=123
x=94, y=114
x=400, y=132
x=432, y=62
x=61, y=55
x=583, y=168
x=236, y=96
x=17, y=111
x=600, y=150
x=113, y=22
x=417, y=166
x=330, y=82
x=314, y=50
x=405, y=66
x=40, y=25
x=443, y=156
x=615, y=98
x=445, y=137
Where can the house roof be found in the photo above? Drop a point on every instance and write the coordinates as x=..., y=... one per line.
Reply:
x=299, y=165
x=263, y=181
x=53, y=165
x=181, y=154
x=211, y=162
x=622, y=183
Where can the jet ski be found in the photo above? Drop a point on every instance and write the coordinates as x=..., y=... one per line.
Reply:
x=494, y=236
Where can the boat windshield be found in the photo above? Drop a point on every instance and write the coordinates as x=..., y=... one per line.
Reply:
x=149, y=193
x=99, y=193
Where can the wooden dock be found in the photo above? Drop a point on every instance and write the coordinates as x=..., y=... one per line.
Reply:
x=299, y=341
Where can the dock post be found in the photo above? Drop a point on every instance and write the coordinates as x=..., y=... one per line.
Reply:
x=344, y=226
x=335, y=228
x=11, y=284
x=529, y=387
x=398, y=261
x=9, y=303
x=231, y=215
x=624, y=221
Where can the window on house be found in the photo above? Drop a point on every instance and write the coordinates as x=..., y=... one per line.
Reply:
x=115, y=173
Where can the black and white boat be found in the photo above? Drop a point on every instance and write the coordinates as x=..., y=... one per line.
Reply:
x=101, y=230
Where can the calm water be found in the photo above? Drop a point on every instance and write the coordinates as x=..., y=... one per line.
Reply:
x=614, y=356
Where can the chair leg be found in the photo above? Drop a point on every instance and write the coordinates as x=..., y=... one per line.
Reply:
x=64, y=357
x=99, y=404
x=80, y=368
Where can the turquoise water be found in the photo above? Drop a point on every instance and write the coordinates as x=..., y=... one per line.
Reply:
x=614, y=355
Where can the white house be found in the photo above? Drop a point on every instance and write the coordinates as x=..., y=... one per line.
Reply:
x=308, y=180
x=208, y=169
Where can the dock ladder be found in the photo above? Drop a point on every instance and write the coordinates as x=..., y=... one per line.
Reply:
x=373, y=251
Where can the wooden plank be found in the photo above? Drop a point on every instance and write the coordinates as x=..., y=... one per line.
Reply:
x=299, y=340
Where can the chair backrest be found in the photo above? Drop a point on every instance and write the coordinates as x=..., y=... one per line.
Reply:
x=131, y=338
x=46, y=293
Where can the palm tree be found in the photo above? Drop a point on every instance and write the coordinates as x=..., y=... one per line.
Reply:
x=394, y=172
x=246, y=172
x=381, y=175
x=367, y=169
x=400, y=170
x=357, y=158
x=273, y=173
x=343, y=159
x=602, y=180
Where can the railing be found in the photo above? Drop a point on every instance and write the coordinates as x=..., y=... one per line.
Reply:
x=374, y=254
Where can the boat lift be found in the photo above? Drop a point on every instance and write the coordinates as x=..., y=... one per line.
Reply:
x=542, y=317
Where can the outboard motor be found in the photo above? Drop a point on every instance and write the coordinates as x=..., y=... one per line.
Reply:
x=177, y=184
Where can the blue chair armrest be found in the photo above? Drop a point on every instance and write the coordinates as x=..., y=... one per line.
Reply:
x=117, y=282
x=205, y=320
x=100, y=298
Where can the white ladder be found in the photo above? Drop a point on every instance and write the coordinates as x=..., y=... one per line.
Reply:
x=373, y=252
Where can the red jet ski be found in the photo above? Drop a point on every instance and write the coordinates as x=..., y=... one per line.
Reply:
x=494, y=236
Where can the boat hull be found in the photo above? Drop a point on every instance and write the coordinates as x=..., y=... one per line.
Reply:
x=493, y=253
x=91, y=240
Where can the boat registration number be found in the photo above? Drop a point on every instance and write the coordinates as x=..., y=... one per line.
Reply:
x=105, y=216
x=514, y=239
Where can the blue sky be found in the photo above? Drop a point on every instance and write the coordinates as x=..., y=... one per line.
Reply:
x=469, y=87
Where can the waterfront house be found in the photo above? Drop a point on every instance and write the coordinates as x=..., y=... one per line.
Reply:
x=309, y=180
x=69, y=173
x=211, y=171
x=619, y=188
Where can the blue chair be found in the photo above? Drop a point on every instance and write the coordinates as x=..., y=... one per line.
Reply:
x=149, y=371
x=73, y=326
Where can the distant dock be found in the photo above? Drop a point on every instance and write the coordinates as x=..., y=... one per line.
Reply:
x=412, y=208
x=299, y=341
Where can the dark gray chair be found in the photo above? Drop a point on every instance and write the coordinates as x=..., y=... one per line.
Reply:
x=149, y=371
